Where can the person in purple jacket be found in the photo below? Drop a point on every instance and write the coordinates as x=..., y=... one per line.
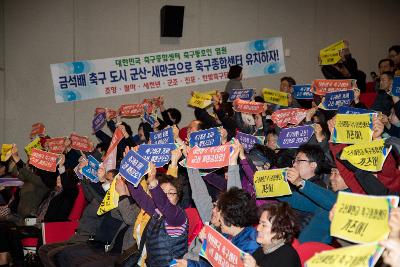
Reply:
x=167, y=230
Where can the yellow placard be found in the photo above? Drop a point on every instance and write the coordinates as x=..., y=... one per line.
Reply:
x=200, y=100
x=110, y=200
x=271, y=183
x=368, y=156
x=335, y=46
x=6, y=151
x=329, y=57
x=331, y=54
x=210, y=92
x=276, y=97
x=362, y=218
x=34, y=144
x=353, y=256
x=352, y=128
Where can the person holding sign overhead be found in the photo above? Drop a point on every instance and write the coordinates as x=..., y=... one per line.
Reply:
x=37, y=183
x=167, y=230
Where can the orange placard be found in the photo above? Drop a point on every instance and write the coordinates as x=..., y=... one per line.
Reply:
x=37, y=129
x=113, y=113
x=80, y=143
x=321, y=87
x=219, y=251
x=283, y=117
x=117, y=136
x=43, y=160
x=131, y=110
x=250, y=107
x=56, y=145
x=208, y=157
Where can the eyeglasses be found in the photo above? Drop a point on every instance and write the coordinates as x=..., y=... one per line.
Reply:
x=301, y=160
x=171, y=194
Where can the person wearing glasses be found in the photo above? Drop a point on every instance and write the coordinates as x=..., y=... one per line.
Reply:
x=309, y=167
x=167, y=230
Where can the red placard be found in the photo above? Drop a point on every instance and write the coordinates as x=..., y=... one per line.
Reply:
x=80, y=143
x=131, y=110
x=113, y=113
x=219, y=251
x=283, y=117
x=150, y=104
x=321, y=87
x=208, y=157
x=43, y=160
x=56, y=145
x=250, y=107
x=37, y=129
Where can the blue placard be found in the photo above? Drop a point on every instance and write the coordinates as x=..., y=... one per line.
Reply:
x=350, y=110
x=98, y=121
x=396, y=86
x=244, y=94
x=205, y=138
x=302, y=91
x=133, y=167
x=90, y=170
x=334, y=100
x=295, y=136
x=159, y=154
x=248, y=141
x=165, y=136
x=150, y=119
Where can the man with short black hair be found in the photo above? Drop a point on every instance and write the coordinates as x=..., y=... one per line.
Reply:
x=383, y=101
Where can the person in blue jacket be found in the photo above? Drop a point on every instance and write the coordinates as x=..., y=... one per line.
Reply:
x=238, y=212
x=317, y=200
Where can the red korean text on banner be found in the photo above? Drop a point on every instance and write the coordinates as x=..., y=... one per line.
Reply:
x=37, y=129
x=110, y=159
x=208, y=157
x=43, y=160
x=56, y=145
x=219, y=251
x=131, y=110
x=80, y=143
x=283, y=117
x=321, y=87
x=250, y=107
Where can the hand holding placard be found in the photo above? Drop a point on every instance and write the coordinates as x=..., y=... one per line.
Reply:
x=133, y=167
x=362, y=218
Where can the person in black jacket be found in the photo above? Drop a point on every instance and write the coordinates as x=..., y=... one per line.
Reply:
x=276, y=230
x=346, y=68
x=58, y=205
x=170, y=116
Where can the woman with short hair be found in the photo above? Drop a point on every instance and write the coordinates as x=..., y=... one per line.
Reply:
x=276, y=230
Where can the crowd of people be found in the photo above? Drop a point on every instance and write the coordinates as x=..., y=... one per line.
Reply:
x=150, y=226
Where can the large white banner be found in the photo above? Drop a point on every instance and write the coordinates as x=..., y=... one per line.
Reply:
x=89, y=79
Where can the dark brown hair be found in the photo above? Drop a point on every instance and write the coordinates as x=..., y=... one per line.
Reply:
x=175, y=182
x=237, y=208
x=283, y=220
